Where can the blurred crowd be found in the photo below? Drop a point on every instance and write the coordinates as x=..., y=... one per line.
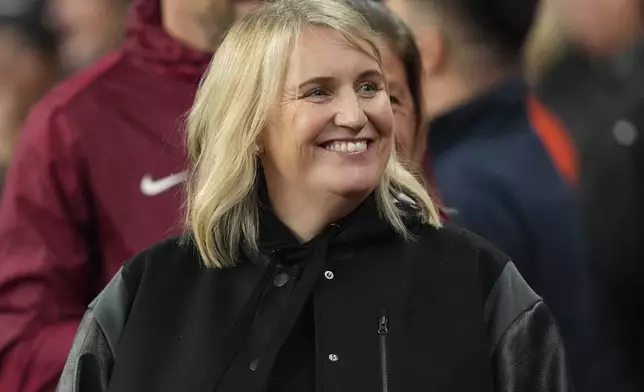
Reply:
x=527, y=115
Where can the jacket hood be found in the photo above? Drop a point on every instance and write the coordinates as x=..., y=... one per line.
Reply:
x=152, y=48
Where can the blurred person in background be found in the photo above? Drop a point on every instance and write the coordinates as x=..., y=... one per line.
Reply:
x=28, y=66
x=87, y=29
x=94, y=180
x=601, y=26
x=502, y=162
x=596, y=85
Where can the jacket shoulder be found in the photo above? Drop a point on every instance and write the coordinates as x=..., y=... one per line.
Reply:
x=458, y=243
x=82, y=84
x=93, y=352
x=504, y=293
x=166, y=257
x=49, y=119
x=109, y=311
x=516, y=318
x=170, y=248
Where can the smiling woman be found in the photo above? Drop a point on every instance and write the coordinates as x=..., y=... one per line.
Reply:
x=311, y=255
x=329, y=143
x=333, y=92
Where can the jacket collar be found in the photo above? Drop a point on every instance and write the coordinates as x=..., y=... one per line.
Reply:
x=364, y=224
x=152, y=48
x=462, y=122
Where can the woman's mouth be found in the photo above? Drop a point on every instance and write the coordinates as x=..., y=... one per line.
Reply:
x=355, y=146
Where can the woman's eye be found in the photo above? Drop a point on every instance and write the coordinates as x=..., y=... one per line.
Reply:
x=368, y=88
x=394, y=100
x=317, y=92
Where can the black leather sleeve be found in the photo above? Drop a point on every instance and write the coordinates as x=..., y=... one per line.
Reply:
x=526, y=348
x=530, y=355
x=90, y=361
x=92, y=356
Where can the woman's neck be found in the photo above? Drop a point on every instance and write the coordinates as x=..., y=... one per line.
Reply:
x=307, y=216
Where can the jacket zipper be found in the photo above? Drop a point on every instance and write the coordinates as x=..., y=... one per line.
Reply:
x=383, y=332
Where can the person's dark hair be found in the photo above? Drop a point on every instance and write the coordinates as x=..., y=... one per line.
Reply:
x=398, y=36
x=502, y=25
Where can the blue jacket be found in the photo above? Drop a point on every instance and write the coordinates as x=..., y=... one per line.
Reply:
x=496, y=178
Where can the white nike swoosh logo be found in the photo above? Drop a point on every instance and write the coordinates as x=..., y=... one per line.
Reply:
x=152, y=187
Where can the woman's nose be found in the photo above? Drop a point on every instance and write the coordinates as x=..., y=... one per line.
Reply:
x=349, y=113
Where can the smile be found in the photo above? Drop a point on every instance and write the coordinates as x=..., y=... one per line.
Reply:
x=346, y=146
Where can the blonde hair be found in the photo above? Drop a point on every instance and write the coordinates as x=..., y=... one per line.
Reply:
x=230, y=112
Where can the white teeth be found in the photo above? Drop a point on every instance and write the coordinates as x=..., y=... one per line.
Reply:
x=347, y=146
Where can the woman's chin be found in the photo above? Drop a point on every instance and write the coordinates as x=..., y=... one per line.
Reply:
x=349, y=180
x=352, y=188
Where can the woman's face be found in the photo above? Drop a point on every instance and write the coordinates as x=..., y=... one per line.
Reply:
x=405, y=123
x=330, y=134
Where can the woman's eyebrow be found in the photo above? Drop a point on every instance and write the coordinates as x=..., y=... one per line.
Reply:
x=316, y=80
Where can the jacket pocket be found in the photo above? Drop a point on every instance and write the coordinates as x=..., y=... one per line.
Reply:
x=383, y=334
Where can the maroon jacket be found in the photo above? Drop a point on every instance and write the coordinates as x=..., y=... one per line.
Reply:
x=93, y=182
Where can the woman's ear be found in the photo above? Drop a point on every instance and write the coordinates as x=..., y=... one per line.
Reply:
x=259, y=144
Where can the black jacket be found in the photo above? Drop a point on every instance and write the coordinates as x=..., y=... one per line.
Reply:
x=358, y=306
